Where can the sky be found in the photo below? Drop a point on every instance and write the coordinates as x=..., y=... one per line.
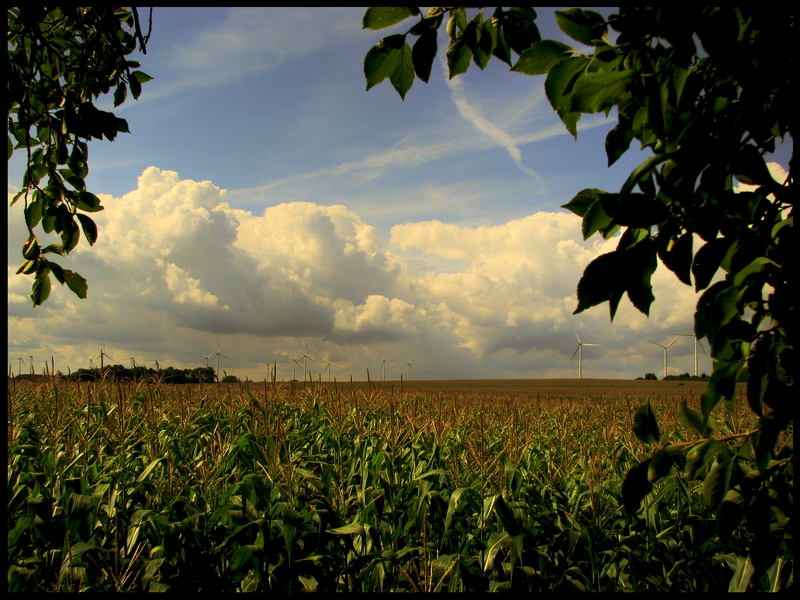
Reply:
x=266, y=203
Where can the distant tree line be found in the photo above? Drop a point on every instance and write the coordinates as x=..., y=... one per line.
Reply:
x=166, y=375
x=742, y=377
x=683, y=377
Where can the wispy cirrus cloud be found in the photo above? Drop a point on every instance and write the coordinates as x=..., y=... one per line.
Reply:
x=472, y=114
x=248, y=41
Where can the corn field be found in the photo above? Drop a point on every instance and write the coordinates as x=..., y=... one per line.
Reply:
x=153, y=487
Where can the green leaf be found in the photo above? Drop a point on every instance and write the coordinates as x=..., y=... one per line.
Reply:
x=501, y=48
x=691, y=419
x=88, y=202
x=700, y=456
x=41, y=287
x=601, y=90
x=722, y=383
x=706, y=317
x=756, y=266
x=635, y=487
x=676, y=254
x=141, y=77
x=423, y=54
x=559, y=87
x=33, y=212
x=708, y=260
x=33, y=175
x=458, y=57
x=120, y=94
x=661, y=462
x=76, y=283
x=730, y=514
x=519, y=28
x=402, y=77
x=583, y=200
x=596, y=218
x=618, y=141
x=645, y=426
x=497, y=541
x=600, y=281
x=54, y=249
x=469, y=494
x=507, y=517
x=348, y=529
x=31, y=248
x=486, y=35
x=10, y=147
x=58, y=272
x=717, y=483
x=381, y=60
x=584, y=26
x=382, y=17
x=541, y=57
x=642, y=264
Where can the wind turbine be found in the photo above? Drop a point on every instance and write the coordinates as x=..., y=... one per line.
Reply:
x=31, y=365
x=383, y=364
x=21, y=361
x=665, y=352
x=305, y=358
x=328, y=366
x=409, y=365
x=696, y=344
x=217, y=356
x=579, y=352
x=295, y=364
x=102, y=358
x=268, y=364
x=208, y=358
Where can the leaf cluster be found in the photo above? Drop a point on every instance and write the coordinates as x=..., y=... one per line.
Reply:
x=60, y=60
x=708, y=91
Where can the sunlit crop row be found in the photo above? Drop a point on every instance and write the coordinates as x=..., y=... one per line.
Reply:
x=215, y=488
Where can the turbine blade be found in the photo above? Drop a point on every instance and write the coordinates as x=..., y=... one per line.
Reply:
x=576, y=351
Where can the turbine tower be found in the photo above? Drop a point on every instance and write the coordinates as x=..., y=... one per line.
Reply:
x=295, y=364
x=666, y=363
x=102, y=357
x=267, y=368
x=328, y=366
x=218, y=355
x=306, y=357
x=383, y=364
x=408, y=366
x=579, y=352
x=696, y=344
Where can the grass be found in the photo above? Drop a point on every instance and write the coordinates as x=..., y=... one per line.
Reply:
x=221, y=488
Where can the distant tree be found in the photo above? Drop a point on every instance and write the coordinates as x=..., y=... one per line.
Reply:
x=230, y=379
x=710, y=116
x=60, y=60
x=651, y=377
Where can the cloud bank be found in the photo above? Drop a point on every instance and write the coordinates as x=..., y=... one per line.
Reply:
x=175, y=263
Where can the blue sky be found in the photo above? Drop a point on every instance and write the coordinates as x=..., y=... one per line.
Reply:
x=266, y=201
